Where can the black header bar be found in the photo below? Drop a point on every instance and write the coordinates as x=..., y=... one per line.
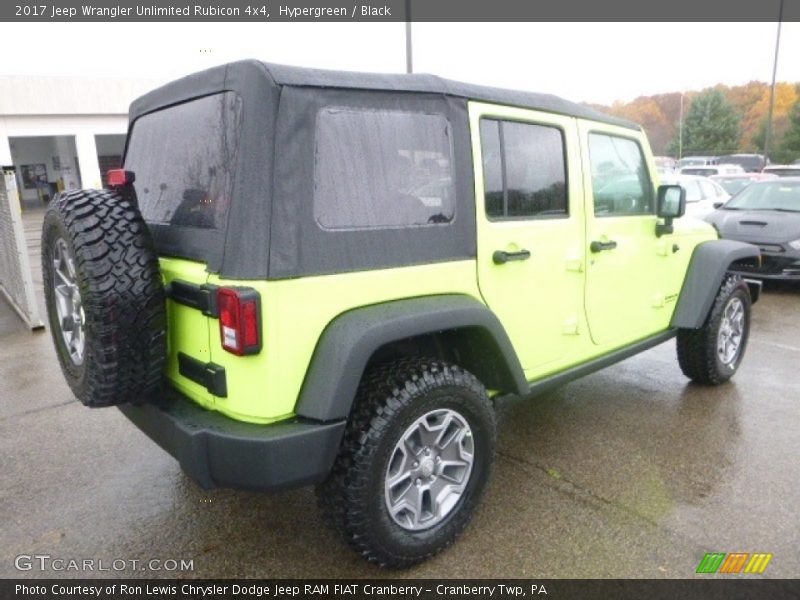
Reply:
x=400, y=10
x=424, y=589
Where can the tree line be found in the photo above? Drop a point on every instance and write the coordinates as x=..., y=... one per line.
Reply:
x=719, y=120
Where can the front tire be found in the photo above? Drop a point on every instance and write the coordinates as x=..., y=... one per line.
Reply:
x=712, y=354
x=414, y=462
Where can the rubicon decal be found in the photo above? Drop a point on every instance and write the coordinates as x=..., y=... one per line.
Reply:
x=735, y=562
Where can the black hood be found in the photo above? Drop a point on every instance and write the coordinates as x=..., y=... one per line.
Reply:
x=756, y=225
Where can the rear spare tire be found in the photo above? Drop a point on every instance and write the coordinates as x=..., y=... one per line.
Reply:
x=104, y=296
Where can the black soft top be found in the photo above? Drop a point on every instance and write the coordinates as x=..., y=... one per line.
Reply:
x=271, y=230
x=283, y=75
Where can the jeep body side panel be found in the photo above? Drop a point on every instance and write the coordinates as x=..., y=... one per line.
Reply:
x=265, y=387
x=347, y=344
x=710, y=261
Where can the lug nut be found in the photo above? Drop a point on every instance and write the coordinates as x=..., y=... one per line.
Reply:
x=416, y=464
x=418, y=483
x=438, y=459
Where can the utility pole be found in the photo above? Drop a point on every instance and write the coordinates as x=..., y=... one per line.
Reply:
x=768, y=132
x=409, y=56
x=680, y=130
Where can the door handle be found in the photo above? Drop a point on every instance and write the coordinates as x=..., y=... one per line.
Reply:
x=601, y=246
x=501, y=257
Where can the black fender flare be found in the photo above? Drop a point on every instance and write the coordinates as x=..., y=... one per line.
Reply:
x=350, y=340
x=707, y=267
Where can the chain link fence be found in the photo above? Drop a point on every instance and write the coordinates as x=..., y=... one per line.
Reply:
x=16, y=282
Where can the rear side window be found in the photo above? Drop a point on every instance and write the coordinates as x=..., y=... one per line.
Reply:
x=523, y=170
x=184, y=158
x=620, y=179
x=382, y=169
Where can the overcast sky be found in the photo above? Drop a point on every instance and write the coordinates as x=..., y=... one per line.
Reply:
x=593, y=62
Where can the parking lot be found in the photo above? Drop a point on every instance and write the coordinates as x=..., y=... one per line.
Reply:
x=630, y=472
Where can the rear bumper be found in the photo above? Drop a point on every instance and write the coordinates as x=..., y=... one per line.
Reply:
x=218, y=451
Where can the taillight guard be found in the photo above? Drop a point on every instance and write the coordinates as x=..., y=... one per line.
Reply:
x=239, y=320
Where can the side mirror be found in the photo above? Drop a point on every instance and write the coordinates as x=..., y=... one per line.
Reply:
x=671, y=205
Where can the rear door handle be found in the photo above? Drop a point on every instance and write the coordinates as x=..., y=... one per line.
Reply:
x=602, y=246
x=501, y=257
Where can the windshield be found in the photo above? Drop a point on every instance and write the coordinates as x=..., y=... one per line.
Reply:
x=734, y=184
x=750, y=162
x=783, y=196
x=784, y=171
x=704, y=172
x=688, y=162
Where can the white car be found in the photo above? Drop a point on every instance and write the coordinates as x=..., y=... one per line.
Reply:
x=709, y=170
x=783, y=170
x=702, y=194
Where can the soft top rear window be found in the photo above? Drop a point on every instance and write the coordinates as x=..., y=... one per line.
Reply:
x=184, y=158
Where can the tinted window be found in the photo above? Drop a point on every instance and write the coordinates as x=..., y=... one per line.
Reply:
x=184, y=159
x=379, y=169
x=492, y=168
x=620, y=179
x=524, y=171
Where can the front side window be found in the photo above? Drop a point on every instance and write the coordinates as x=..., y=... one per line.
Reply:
x=524, y=170
x=620, y=179
x=382, y=169
x=184, y=158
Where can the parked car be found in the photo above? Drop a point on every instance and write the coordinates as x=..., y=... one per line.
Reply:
x=709, y=170
x=667, y=163
x=783, y=170
x=309, y=277
x=766, y=214
x=694, y=161
x=733, y=182
x=702, y=193
x=752, y=163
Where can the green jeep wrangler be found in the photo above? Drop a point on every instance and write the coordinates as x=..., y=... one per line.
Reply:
x=310, y=277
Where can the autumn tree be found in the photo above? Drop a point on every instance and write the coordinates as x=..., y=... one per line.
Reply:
x=711, y=125
x=790, y=145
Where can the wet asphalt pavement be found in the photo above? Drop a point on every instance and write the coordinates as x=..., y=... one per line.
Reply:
x=630, y=472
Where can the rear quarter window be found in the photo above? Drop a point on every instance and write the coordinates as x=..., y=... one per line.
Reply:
x=382, y=169
x=184, y=158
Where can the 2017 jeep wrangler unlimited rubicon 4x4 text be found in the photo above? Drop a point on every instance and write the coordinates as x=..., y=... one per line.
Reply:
x=309, y=277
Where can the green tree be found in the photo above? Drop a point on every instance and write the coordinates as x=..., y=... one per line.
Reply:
x=790, y=145
x=711, y=126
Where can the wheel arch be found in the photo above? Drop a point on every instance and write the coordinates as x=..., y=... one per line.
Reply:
x=710, y=262
x=455, y=327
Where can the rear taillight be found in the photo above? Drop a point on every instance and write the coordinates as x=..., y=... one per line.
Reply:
x=239, y=326
x=120, y=177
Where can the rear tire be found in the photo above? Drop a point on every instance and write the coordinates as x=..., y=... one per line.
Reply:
x=414, y=462
x=104, y=296
x=712, y=354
